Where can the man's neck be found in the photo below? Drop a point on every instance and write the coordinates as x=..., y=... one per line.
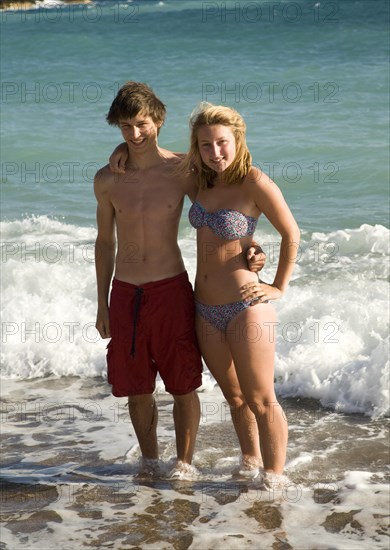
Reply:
x=144, y=160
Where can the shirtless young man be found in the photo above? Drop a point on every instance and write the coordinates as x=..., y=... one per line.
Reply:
x=150, y=315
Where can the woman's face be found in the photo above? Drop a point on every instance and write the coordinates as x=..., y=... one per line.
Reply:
x=217, y=146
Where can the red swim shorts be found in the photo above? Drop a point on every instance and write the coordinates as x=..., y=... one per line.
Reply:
x=152, y=331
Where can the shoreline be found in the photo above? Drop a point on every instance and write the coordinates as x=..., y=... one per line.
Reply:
x=23, y=5
x=89, y=487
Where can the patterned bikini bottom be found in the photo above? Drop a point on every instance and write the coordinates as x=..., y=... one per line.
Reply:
x=220, y=316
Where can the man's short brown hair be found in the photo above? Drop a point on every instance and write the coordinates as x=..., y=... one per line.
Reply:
x=134, y=98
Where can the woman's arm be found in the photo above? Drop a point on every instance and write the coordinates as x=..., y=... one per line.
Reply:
x=270, y=201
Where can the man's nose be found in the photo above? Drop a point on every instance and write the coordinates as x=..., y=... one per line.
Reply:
x=135, y=132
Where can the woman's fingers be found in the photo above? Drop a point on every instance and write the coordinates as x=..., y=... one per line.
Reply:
x=249, y=291
x=259, y=292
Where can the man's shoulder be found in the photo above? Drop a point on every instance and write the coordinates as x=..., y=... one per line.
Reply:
x=103, y=181
x=179, y=156
x=171, y=168
x=104, y=171
x=104, y=175
x=172, y=156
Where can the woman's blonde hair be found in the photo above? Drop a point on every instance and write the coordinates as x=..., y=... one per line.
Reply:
x=208, y=114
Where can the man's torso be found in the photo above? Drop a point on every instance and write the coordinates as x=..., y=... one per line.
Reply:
x=148, y=205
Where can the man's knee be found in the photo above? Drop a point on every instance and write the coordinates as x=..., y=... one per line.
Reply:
x=140, y=401
x=186, y=399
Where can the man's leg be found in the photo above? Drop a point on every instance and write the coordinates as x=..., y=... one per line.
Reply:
x=186, y=415
x=144, y=414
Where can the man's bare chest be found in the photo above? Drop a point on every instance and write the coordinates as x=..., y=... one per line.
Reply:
x=157, y=198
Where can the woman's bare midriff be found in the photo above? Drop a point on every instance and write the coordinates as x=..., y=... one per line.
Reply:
x=222, y=269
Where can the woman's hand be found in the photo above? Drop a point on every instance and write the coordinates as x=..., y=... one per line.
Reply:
x=118, y=159
x=256, y=292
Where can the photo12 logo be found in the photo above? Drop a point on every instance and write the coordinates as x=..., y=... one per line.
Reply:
x=53, y=11
x=56, y=92
x=271, y=92
x=270, y=12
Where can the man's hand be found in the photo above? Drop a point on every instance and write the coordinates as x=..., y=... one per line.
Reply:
x=255, y=257
x=119, y=158
x=103, y=323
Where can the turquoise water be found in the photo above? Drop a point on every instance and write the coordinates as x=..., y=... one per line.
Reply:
x=310, y=78
x=312, y=81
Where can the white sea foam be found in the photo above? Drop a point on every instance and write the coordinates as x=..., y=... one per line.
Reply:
x=48, y=305
x=332, y=331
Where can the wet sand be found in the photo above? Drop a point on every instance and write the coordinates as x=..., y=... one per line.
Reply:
x=69, y=457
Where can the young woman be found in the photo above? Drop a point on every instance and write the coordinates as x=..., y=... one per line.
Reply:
x=234, y=314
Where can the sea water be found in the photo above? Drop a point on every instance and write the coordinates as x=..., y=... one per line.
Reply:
x=311, y=80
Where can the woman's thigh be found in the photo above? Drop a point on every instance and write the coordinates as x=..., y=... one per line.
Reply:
x=215, y=349
x=251, y=339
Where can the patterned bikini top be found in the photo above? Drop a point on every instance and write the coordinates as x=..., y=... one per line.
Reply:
x=226, y=224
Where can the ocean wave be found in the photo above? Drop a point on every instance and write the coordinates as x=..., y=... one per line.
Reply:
x=331, y=334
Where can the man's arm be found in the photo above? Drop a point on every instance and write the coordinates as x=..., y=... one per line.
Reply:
x=104, y=250
x=118, y=158
x=255, y=257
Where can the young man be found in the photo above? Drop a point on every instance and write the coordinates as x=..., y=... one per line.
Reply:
x=150, y=316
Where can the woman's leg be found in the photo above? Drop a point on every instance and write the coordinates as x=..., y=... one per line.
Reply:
x=252, y=344
x=215, y=351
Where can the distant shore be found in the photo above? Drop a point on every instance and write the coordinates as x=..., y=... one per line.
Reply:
x=29, y=4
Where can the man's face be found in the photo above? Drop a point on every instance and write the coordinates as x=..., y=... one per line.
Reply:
x=139, y=132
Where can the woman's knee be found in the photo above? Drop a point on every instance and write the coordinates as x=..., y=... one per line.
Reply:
x=235, y=401
x=264, y=406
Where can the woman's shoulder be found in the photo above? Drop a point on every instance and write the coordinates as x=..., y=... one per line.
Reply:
x=259, y=186
x=256, y=178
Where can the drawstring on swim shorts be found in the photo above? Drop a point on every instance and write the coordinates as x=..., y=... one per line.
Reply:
x=137, y=303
